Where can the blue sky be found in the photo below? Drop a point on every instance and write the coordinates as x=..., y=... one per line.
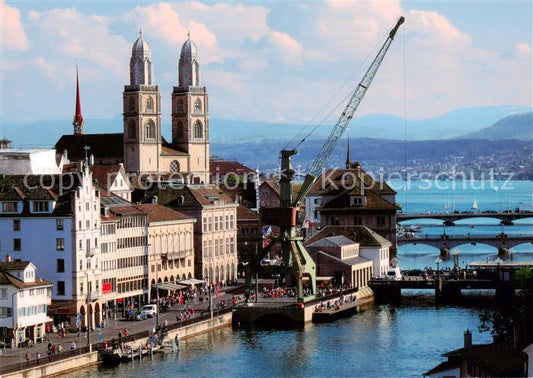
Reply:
x=267, y=61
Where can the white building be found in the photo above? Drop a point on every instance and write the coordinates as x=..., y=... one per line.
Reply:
x=54, y=222
x=24, y=301
x=372, y=246
x=30, y=161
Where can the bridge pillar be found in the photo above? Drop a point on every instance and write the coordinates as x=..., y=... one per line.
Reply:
x=503, y=253
x=445, y=252
x=507, y=222
x=449, y=223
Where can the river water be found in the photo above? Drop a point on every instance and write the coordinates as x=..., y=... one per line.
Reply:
x=382, y=341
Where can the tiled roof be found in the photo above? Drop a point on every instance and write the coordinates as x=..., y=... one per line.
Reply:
x=339, y=240
x=187, y=195
x=446, y=365
x=172, y=151
x=7, y=278
x=360, y=234
x=333, y=178
x=14, y=265
x=104, y=173
x=245, y=192
x=126, y=210
x=102, y=146
x=159, y=213
x=497, y=359
x=223, y=167
x=245, y=213
x=373, y=202
x=272, y=185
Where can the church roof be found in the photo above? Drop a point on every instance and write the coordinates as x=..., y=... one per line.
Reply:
x=102, y=146
x=140, y=47
x=189, y=50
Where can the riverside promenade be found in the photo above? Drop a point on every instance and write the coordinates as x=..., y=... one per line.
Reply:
x=13, y=360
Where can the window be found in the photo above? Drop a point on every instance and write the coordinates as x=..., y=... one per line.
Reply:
x=358, y=221
x=198, y=106
x=132, y=130
x=334, y=221
x=381, y=221
x=60, y=244
x=149, y=130
x=40, y=206
x=3, y=293
x=16, y=224
x=149, y=104
x=131, y=104
x=59, y=224
x=198, y=132
x=60, y=265
x=60, y=287
x=17, y=244
x=174, y=166
x=357, y=200
x=179, y=106
x=10, y=207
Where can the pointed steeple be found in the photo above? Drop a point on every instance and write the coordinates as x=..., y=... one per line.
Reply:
x=78, y=117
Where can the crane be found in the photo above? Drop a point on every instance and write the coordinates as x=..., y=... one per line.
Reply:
x=288, y=216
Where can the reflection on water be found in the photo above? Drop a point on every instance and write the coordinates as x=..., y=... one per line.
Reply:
x=381, y=341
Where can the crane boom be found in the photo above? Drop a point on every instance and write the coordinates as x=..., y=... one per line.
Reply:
x=345, y=117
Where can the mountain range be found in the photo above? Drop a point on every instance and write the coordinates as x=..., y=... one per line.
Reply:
x=459, y=123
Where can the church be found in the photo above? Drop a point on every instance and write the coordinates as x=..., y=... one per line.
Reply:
x=141, y=147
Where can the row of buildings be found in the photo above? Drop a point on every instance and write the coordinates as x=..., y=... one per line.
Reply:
x=108, y=219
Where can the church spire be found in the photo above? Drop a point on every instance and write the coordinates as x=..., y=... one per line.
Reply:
x=78, y=117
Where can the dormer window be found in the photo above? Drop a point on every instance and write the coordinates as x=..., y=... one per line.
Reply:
x=357, y=201
x=10, y=207
x=40, y=206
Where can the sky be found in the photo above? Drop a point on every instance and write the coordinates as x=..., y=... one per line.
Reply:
x=282, y=62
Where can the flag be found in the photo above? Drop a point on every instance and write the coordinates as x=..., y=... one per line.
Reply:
x=267, y=230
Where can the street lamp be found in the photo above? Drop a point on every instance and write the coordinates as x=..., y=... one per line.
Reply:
x=511, y=253
x=438, y=260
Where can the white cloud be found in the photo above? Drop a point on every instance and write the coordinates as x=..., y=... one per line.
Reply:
x=13, y=34
x=523, y=50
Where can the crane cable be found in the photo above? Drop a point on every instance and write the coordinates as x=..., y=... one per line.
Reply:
x=341, y=102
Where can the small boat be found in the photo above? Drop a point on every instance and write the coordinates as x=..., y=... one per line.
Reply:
x=474, y=205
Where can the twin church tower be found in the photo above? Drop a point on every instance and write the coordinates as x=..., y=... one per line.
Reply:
x=145, y=150
x=142, y=147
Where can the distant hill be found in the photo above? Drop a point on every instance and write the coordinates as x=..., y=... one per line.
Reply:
x=450, y=125
x=518, y=126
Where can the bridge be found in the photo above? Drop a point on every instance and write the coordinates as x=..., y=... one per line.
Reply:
x=506, y=217
x=447, y=242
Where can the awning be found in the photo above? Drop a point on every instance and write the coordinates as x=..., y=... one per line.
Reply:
x=191, y=282
x=169, y=286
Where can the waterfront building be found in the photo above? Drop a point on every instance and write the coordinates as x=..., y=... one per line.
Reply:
x=337, y=257
x=372, y=246
x=124, y=257
x=249, y=235
x=170, y=246
x=215, y=231
x=24, y=301
x=498, y=359
x=351, y=197
x=54, y=222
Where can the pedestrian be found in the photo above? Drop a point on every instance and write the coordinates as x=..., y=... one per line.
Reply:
x=59, y=348
x=38, y=357
x=28, y=357
x=72, y=345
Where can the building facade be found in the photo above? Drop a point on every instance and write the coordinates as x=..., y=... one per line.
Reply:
x=24, y=301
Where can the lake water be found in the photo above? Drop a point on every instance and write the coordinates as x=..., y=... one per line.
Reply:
x=383, y=341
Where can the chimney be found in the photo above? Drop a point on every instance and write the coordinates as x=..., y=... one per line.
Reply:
x=154, y=199
x=468, y=339
x=8, y=258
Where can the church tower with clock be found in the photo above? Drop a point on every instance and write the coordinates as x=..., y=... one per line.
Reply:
x=190, y=114
x=142, y=113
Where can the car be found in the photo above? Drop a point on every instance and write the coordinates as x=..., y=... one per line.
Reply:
x=150, y=309
x=394, y=274
x=141, y=315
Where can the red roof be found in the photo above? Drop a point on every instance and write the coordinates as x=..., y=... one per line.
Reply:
x=223, y=167
x=159, y=213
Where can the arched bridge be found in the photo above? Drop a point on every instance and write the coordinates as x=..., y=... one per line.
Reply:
x=446, y=242
x=506, y=217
